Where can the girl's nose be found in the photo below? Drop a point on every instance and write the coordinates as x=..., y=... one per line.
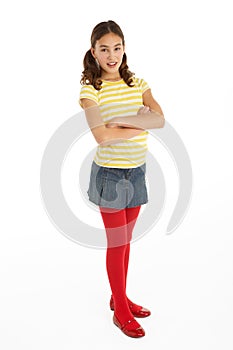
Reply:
x=111, y=54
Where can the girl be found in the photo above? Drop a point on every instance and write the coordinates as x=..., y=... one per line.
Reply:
x=119, y=108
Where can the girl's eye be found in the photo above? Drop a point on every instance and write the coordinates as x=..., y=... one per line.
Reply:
x=116, y=49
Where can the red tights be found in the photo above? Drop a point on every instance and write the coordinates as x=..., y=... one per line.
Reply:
x=119, y=224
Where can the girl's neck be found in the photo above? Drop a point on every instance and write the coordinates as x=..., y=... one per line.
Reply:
x=109, y=77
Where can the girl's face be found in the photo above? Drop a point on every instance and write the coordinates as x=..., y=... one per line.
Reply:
x=109, y=51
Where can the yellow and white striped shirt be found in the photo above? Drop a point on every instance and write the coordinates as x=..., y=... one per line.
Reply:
x=117, y=99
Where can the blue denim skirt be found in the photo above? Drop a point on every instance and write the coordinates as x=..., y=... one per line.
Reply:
x=117, y=188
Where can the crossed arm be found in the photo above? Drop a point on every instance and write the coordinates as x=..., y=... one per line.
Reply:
x=148, y=117
x=120, y=128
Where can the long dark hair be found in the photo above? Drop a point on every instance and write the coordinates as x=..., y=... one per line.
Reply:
x=92, y=72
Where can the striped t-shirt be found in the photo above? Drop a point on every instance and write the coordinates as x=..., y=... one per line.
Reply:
x=117, y=99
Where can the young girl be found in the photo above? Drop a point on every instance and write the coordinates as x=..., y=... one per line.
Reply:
x=119, y=108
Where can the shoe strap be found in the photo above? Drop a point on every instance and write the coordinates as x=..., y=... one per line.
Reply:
x=124, y=326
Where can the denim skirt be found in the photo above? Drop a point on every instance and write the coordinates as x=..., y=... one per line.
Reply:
x=117, y=188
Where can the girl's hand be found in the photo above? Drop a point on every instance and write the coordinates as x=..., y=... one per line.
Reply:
x=143, y=110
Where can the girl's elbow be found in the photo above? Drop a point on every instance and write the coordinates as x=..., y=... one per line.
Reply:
x=99, y=134
x=162, y=122
x=100, y=139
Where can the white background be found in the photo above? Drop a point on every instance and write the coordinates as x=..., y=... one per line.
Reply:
x=54, y=293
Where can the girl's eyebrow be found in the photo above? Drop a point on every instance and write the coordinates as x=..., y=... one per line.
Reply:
x=108, y=46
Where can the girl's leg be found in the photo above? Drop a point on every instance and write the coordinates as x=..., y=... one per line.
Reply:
x=131, y=218
x=116, y=229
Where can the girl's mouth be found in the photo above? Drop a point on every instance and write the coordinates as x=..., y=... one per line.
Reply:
x=112, y=64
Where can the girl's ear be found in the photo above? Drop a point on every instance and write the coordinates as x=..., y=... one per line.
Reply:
x=93, y=52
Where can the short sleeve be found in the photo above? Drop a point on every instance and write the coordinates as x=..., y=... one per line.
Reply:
x=88, y=91
x=143, y=85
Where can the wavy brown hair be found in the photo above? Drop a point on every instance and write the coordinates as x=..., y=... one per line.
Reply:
x=91, y=74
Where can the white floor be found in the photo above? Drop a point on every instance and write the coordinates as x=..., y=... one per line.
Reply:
x=55, y=293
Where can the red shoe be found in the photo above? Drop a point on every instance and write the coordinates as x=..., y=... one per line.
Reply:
x=136, y=332
x=143, y=312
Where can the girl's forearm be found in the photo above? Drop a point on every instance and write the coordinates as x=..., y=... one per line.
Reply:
x=150, y=120
x=116, y=135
